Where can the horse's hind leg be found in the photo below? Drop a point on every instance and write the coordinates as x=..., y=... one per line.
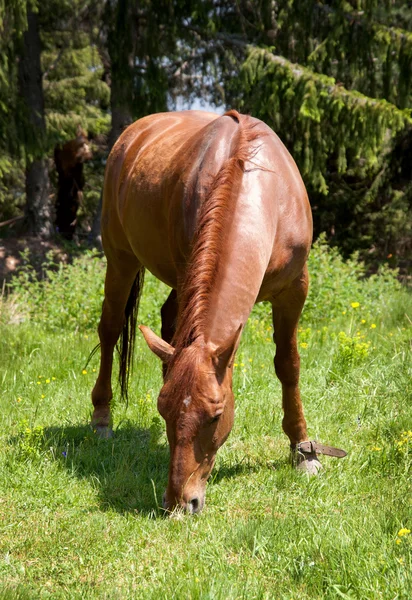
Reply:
x=168, y=313
x=286, y=310
x=120, y=277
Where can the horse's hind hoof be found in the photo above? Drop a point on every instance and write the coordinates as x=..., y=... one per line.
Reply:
x=103, y=432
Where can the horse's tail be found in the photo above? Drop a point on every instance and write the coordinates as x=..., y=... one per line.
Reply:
x=128, y=335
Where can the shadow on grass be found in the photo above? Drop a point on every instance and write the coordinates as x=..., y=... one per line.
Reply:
x=246, y=466
x=129, y=471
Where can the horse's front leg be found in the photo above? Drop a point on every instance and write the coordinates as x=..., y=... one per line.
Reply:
x=286, y=310
x=118, y=283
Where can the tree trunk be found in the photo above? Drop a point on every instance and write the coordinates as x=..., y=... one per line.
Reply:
x=38, y=204
x=38, y=207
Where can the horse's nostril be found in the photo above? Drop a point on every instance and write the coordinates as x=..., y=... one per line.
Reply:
x=194, y=505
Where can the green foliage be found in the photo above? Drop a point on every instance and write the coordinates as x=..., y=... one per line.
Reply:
x=319, y=121
x=70, y=296
x=340, y=291
x=30, y=440
x=363, y=45
x=73, y=75
x=337, y=284
x=74, y=92
x=11, y=194
x=352, y=350
x=13, y=23
x=66, y=297
x=334, y=79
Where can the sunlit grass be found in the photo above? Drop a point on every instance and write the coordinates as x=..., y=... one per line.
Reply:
x=80, y=517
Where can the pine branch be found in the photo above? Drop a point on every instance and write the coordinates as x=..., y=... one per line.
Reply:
x=321, y=122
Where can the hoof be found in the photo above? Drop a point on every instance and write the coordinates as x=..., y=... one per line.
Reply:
x=103, y=432
x=309, y=465
x=306, y=463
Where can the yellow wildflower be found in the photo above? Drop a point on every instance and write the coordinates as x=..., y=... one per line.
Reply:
x=39, y=383
x=398, y=541
x=363, y=321
x=43, y=396
x=18, y=399
x=84, y=372
x=303, y=344
x=403, y=532
x=47, y=380
x=373, y=326
x=355, y=304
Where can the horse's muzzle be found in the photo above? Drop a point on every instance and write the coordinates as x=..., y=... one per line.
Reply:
x=190, y=506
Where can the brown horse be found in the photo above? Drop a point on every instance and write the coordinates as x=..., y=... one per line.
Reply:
x=69, y=162
x=215, y=207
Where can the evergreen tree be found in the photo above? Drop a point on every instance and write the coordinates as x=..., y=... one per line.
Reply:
x=32, y=130
x=50, y=84
x=334, y=79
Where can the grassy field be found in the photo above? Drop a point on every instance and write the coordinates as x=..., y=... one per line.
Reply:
x=80, y=517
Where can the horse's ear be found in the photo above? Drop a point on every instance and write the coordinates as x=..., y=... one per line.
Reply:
x=161, y=348
x=224, y=354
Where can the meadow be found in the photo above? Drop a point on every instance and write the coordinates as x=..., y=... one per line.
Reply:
x=81, y=517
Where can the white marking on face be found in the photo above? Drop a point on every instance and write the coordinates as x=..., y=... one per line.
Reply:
x=187, y=401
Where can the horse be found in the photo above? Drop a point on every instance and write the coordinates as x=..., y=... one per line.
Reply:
x=69, y=161
x=214, y=206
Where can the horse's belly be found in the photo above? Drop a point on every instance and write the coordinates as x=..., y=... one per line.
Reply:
x=145, y=224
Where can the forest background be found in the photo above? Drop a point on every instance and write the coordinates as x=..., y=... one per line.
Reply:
x=332, y=78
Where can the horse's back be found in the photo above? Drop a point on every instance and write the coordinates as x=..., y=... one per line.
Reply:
x=162, y=168
x=151, y=170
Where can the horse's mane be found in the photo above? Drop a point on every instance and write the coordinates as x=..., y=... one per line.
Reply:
x=208, y=239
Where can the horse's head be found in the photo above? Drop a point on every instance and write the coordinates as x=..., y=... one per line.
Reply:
x=197, y=404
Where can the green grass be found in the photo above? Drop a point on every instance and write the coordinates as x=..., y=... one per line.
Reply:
x=80, y=517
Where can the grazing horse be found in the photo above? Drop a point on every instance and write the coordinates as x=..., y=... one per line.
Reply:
x=215, y=207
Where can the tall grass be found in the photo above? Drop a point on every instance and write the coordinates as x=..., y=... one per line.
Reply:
x=80, y=517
